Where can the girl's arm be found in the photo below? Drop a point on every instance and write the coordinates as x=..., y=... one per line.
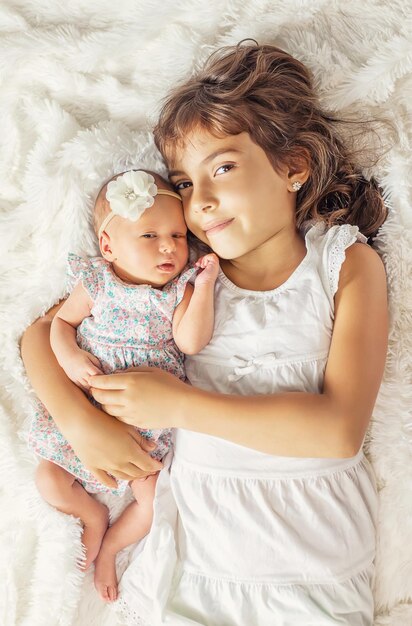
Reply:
x=77, y=363
x=327, y=424
x=102, y=442
x=193, y=319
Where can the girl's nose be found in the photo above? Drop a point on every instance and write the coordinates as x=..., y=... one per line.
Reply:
x=201, y=200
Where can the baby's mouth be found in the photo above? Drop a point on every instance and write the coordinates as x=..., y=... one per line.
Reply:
x=166, y=267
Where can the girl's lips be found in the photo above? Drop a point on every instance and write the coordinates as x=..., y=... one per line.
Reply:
x=211, y=230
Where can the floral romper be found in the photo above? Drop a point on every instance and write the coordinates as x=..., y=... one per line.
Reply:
x=129, y=325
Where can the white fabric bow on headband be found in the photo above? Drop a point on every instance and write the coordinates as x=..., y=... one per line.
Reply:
x=131, y=194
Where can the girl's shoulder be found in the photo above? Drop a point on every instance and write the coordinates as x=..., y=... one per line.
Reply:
x=338, y=236
x=331, y=247
x=362, y=262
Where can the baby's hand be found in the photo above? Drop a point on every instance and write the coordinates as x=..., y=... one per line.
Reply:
x=79, y=366
x=210, y=269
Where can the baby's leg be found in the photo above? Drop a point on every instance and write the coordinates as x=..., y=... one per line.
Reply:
x=133, y=524
x=61, y=489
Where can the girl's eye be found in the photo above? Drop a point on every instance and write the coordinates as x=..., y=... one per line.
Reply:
x=179, y=236
x=224, y=168
x=183, y=185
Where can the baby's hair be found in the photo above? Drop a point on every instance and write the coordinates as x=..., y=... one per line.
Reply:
x=102, y=206
x=266, y=92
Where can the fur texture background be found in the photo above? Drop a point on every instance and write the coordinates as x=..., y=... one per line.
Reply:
x=81, y=85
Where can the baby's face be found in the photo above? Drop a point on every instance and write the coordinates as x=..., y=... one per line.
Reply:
x=152, y=250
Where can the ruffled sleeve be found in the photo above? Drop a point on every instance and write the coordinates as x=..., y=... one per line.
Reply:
x=182, y=281
x=340, y=238
x=86, y=271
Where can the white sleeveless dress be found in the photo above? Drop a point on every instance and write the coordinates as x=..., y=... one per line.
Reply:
x=242, y=538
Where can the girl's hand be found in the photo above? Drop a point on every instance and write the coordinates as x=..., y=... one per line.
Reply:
x=106, y=446
x=146, y=397
x=79, y=366
x=209, y=263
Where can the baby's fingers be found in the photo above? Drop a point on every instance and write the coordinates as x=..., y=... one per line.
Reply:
x=208, y=262
x=208, y=258
x=202, y=262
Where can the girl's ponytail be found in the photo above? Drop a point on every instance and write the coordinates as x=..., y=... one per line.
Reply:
x=337, y=192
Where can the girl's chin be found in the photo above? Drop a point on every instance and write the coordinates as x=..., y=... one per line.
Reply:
x=228, y=253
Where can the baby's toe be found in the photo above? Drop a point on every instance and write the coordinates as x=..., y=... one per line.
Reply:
x=112, y=592
x=103, y=591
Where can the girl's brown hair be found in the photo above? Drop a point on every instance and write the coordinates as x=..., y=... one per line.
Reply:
x=266, y=92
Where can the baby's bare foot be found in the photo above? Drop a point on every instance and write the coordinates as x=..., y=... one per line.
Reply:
x=93, y=533
x=105, y=578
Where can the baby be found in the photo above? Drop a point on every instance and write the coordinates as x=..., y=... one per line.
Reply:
x=132, y=306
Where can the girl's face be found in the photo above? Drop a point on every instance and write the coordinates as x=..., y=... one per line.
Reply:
x=233, y=199
x=151, y=250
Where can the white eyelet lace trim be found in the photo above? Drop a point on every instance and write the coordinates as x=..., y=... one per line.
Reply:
x=346, y=236
x=130, y=617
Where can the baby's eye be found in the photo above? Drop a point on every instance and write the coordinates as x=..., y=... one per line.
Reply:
x=224, y=168
x=179, y=236
x=184, y=184
x=148, y=235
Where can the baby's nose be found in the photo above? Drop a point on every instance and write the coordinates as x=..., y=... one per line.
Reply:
x=167, y=245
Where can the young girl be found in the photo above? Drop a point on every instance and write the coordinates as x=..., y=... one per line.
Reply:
x=272, y=520
x=132, y=306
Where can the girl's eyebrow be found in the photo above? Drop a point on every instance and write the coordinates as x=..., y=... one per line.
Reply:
x=206, y=160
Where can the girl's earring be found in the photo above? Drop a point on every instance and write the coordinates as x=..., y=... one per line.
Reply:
x=296, y=185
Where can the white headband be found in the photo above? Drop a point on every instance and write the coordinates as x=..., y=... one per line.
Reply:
x=131, y=194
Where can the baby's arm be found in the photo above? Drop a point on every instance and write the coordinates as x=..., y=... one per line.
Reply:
x=193, y=319
x=77, y=363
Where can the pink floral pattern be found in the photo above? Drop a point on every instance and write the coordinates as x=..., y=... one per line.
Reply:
x=130, y=325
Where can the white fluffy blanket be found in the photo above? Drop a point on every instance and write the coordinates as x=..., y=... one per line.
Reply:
x=81, y=84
